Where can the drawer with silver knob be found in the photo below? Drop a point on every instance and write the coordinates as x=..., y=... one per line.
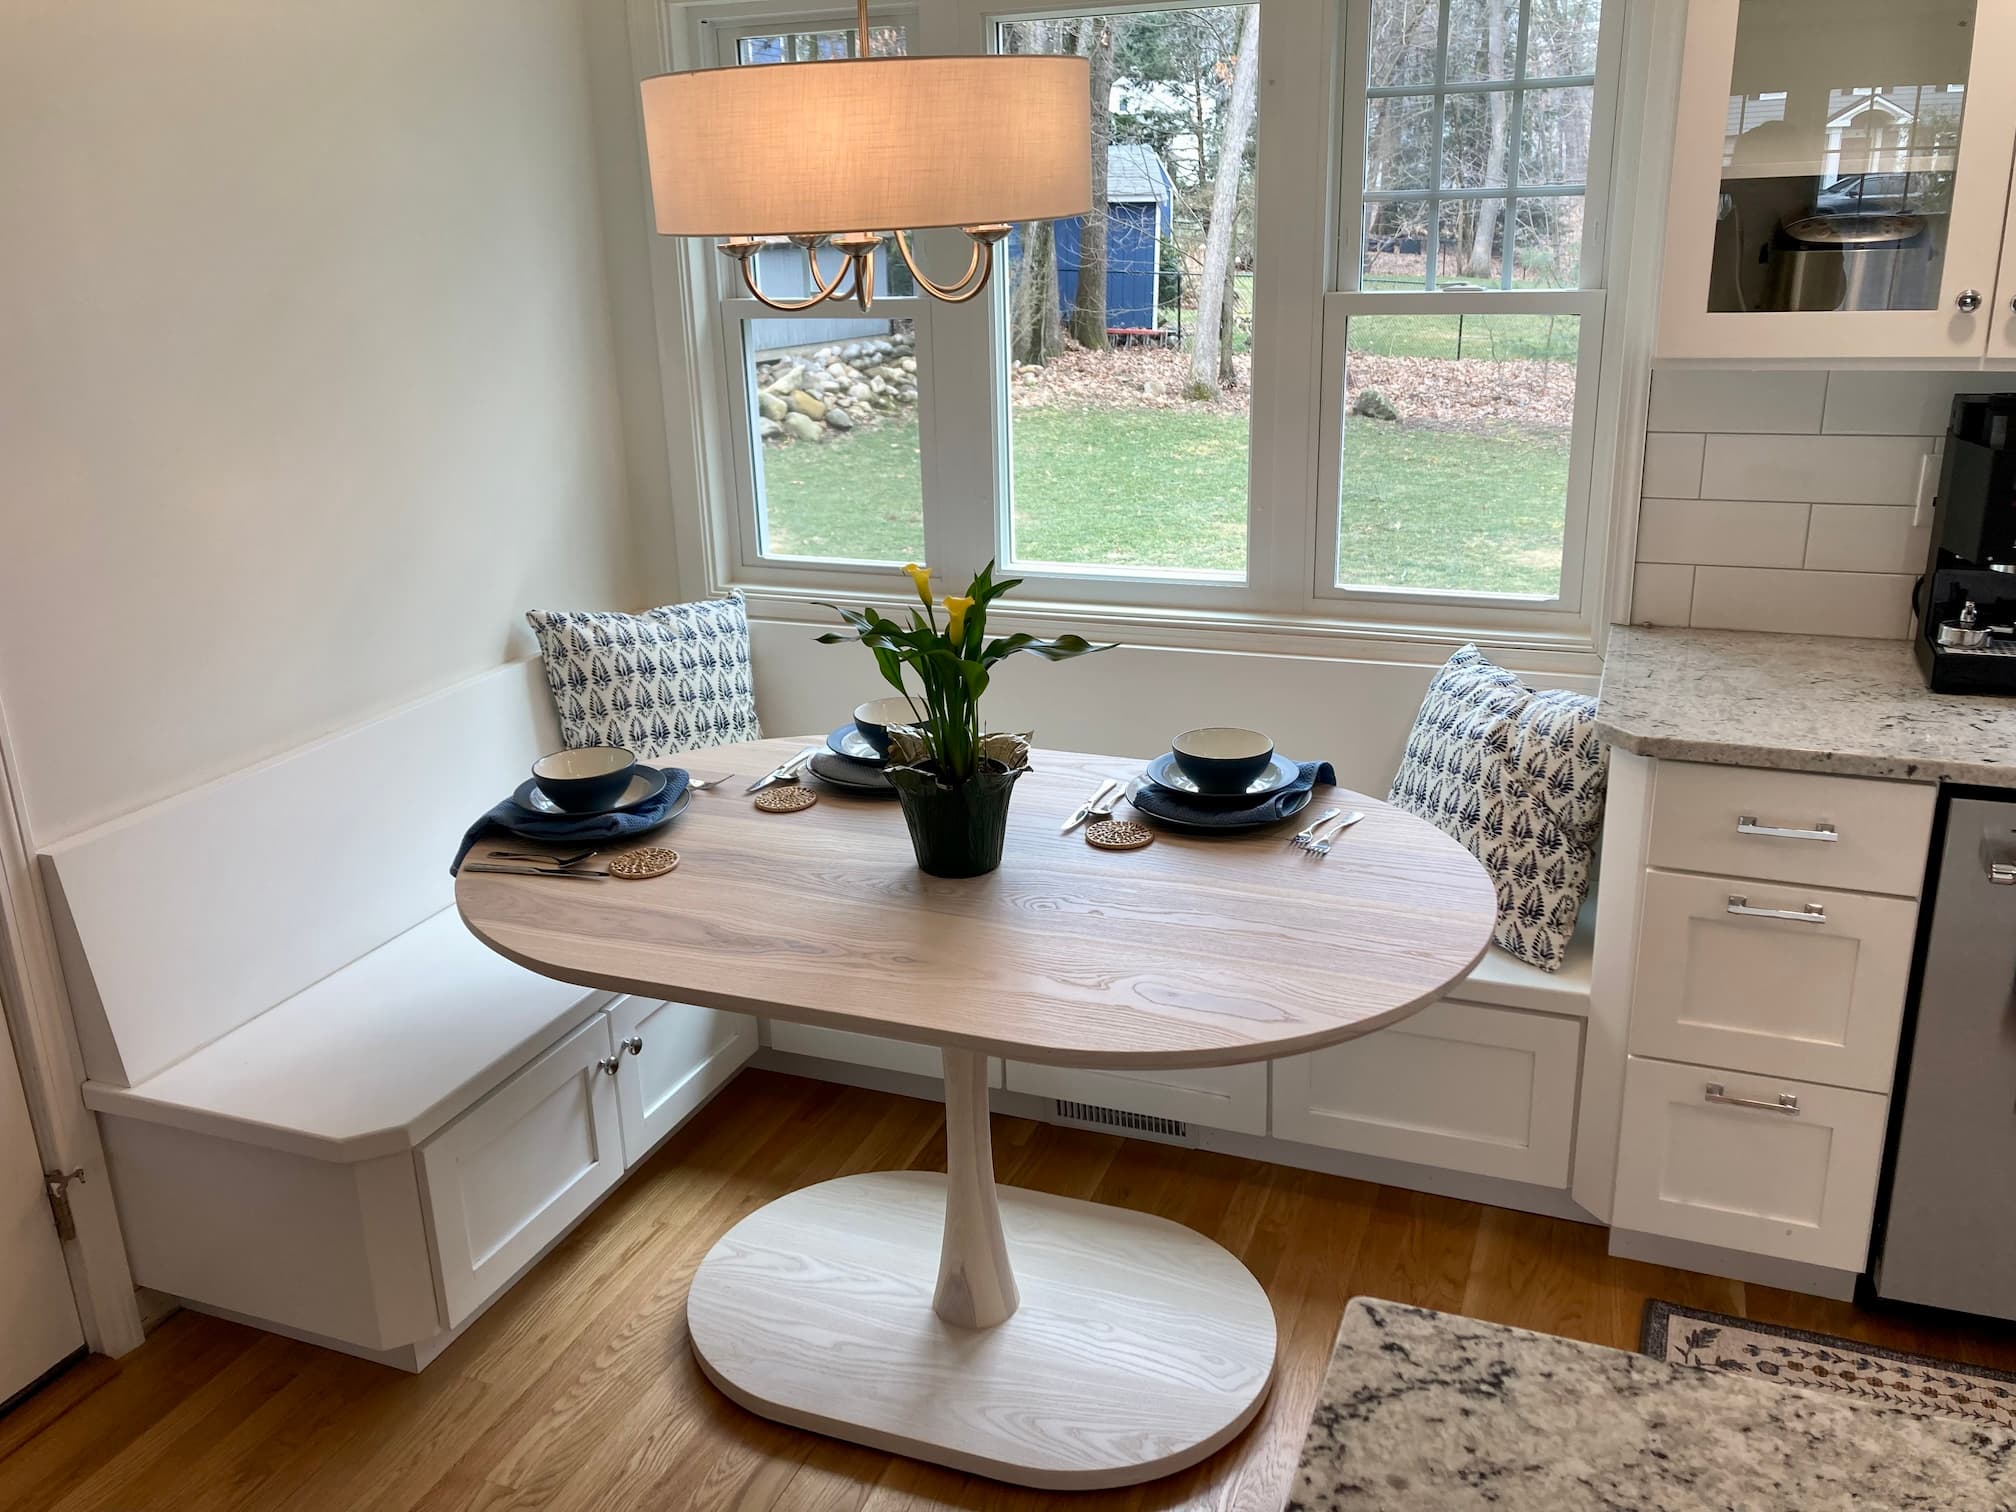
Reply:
x=1863, y=833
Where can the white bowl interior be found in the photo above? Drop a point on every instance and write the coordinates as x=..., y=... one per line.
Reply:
x=885, y=712
x=1222, y=743
x=589, y=761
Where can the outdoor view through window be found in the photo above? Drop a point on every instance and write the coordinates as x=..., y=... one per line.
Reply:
x=1457, y=438
x=1131, y=328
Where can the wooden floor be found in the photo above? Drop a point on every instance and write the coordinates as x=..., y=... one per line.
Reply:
x=578, y=1389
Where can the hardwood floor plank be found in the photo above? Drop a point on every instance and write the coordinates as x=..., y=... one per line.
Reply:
x=578, y=1392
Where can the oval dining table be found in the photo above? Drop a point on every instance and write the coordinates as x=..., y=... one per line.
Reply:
x=1030, y=1338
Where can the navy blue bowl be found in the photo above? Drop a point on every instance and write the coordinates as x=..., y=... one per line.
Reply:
x=873, y=719
x=1222, y=758
x=587, y=780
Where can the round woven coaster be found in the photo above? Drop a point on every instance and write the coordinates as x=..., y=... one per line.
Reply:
x=1118, y=834
x=785, y=800
x=644, y=863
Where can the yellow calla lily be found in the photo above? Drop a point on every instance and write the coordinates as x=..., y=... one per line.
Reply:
x=921, y=576
x=955, y=610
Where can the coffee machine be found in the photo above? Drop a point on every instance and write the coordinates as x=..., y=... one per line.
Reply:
x=1966, y=641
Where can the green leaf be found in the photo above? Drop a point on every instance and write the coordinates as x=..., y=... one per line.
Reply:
x=1063, y=648
x=830, y=638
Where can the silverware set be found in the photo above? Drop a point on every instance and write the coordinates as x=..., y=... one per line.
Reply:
x=1331, y=823
x=586, y=874
x=784, y=773
x=1099, y=806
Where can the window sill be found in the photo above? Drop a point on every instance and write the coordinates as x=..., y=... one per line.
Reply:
x=1317, y=636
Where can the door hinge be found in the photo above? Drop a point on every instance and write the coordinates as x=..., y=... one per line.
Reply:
x=57, y=1185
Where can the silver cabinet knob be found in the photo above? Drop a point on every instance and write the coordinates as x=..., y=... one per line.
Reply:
x=1967, y=301
x=634, y=1044
x=609, y=1063
x=2012, y=306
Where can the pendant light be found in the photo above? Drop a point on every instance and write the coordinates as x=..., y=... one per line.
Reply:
x=810, y=153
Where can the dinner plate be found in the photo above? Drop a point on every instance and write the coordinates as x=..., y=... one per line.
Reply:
x=645, y=784
x=852, y=744
x=1235, y=827
x=851, y=775
x=1164, y=772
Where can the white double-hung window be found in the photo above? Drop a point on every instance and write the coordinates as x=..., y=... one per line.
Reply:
x=1323, y=355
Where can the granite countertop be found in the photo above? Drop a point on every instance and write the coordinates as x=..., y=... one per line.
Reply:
x=1807, y=703
x=1427, y=1411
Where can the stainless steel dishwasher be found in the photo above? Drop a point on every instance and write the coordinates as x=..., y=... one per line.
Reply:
x=1948, y=1236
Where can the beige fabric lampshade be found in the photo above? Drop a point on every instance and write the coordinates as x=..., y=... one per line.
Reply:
x=869, y=144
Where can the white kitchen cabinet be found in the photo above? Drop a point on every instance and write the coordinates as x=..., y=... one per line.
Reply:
x=1841, y=169
x=1458, y=1085
x=517, y=1169
x=673, y=1055
x=1786, y=980
x=1765, y=1165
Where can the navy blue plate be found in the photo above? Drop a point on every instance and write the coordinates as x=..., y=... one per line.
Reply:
x=853, y=776
x=645, y=784
x=1164, y=772
x=851, y=744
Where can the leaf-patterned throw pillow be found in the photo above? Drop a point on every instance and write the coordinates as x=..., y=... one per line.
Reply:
x=1518, y=777
x=657, y=683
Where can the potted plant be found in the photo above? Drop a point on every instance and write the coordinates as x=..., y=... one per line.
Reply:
x=953, y=778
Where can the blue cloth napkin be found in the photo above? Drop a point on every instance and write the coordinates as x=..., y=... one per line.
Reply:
x=513, y=818
x=1166, y=803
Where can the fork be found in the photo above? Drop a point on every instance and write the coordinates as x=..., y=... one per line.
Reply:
x=548, y=857
x=701, y=784
x=1302, y=840
x=1322, y=847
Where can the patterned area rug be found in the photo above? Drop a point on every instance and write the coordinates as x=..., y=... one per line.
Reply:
x=1822, y=1362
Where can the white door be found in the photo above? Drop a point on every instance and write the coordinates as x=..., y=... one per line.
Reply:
x=38, y=1316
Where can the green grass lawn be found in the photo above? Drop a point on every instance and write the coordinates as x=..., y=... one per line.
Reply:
x=1167, y=488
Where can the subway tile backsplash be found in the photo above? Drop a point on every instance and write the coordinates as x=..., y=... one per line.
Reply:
x=1784, y=500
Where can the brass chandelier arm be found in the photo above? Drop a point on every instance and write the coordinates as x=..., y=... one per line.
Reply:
x=744, y=250
x=961, y=289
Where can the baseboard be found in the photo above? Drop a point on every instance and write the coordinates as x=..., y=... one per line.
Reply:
x=1737, y=1265
x=1492, y=1191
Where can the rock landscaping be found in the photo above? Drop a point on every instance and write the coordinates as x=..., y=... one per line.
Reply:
x=811, y=394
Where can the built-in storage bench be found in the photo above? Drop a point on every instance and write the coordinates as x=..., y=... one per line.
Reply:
x=327, y=1109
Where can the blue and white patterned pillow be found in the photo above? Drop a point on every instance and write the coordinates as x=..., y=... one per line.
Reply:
x=657, y=683
x=1518, y=777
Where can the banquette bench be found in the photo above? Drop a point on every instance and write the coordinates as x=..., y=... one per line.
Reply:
x=328, y=1111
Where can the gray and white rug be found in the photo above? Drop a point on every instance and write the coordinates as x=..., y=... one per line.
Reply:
x=1424, y=1410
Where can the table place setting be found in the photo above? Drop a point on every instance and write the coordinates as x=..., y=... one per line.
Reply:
x=573, y=803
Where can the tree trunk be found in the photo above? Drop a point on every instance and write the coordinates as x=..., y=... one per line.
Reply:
x=1204, y=352
x=1039, y=326
x=1479, y=263
x=1228, y=323
x=1088, y=311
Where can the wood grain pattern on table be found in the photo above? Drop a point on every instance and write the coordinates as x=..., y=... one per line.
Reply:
x=1196, y=951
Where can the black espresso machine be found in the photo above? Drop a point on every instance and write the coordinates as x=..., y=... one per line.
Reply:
x=1966, y=602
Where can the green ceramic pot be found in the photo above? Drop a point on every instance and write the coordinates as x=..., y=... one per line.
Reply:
x=956, y=829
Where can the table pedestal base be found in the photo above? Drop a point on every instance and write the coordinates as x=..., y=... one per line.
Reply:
x=1139, y=1346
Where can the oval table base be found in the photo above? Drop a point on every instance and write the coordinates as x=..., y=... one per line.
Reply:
x=1140, y=1346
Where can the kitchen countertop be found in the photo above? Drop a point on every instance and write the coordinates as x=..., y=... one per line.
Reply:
x=1804, y=703
x=1424, y=1409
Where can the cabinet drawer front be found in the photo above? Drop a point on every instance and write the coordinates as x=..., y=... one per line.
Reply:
x=1707, y=818
x=1821, y=1000
x=1218, y=1097
x=1769, y=1181
x=1457, y=1086
x=512, y=1173
x=673, y=1055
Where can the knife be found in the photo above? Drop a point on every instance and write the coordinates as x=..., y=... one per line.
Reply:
x=1084, y=810
x=495, y=869
x=785, y=772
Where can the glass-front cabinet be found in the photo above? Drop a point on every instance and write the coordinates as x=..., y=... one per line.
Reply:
x=1841, y=172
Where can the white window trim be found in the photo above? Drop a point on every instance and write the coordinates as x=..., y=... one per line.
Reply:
x=1277, y=608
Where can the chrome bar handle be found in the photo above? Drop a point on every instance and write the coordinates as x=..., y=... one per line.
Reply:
x=1812, y=913
x=1748, y=825
x=1788, y=1102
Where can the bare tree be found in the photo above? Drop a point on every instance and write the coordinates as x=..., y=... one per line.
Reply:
x=1239, y=111
x=1038, y=322
x=1478, y=265
x=1088, y=311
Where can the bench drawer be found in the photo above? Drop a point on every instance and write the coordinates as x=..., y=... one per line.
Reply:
x=1457, y=1086
x=510, y=1175
x=1709, y=818
x=1817, y=995
x=1796, y=1182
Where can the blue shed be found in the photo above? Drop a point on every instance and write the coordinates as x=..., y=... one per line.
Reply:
x=1140, y=209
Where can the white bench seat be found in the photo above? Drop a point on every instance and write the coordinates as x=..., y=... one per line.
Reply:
x=1503, y=982
x=370, y=1060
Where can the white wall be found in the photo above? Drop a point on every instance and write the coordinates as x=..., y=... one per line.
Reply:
x=306, y=376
